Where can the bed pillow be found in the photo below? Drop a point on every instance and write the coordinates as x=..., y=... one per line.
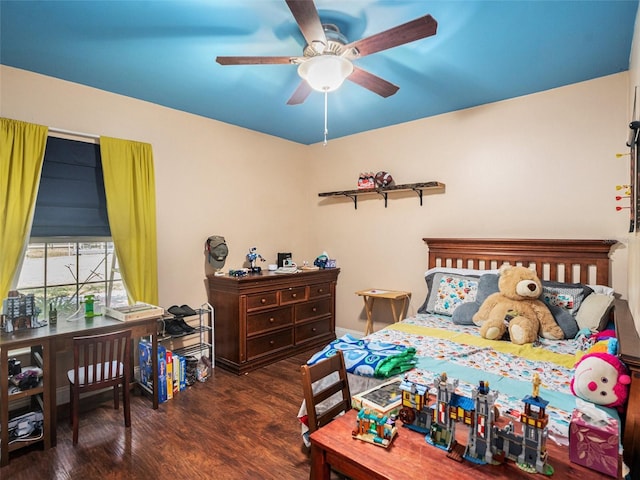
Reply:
x=568, y=296
x=594, y=311
x=603, y=289
x=487, y=284
x=565, y=321
x=448, y=291
x=427, y=306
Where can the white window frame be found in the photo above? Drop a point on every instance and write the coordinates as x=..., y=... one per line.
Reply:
x=107, y=276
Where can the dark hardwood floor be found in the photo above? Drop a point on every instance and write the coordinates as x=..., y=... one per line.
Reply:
x=229, y=427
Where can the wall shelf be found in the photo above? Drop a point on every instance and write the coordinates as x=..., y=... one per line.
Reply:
x=434, y=187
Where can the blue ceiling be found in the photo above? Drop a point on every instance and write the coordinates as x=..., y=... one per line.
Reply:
x=164, y=52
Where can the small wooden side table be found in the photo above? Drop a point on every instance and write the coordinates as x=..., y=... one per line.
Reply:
x=394, y=296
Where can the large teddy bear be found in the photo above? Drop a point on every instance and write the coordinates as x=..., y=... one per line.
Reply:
x=517, y=305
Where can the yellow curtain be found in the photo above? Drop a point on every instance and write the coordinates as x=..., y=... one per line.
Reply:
x=22, y=148
x=129, y=185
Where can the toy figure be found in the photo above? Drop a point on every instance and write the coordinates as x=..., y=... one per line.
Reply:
x=321, y=260
x=254, y=256
x=600, y=376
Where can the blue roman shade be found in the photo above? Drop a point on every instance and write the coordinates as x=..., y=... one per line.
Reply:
x=71, y=200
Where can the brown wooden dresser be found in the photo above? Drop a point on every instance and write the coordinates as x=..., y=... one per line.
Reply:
x=262, y=318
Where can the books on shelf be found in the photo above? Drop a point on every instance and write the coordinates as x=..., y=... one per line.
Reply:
x=138, y=311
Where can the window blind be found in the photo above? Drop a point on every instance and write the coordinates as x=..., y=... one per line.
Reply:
x=71, y=199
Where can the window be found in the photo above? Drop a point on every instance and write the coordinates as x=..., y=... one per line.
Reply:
x=70, y=254
x=60, y=273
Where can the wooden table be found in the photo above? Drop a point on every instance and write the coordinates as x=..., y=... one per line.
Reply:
x=410, y=457
x=56, y=339
x=392, y=295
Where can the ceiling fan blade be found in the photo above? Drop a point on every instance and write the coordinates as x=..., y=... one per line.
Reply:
x=372, y=82
x=300, y=95
x=306, y=15
x=407, y=32
x=255, y=60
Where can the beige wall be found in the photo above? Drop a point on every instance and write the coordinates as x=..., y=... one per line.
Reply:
x=211, y=177
x=537, y=166
x=533, y=167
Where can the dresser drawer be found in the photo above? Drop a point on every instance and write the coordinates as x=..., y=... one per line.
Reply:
x=309, y=310
x=265, y=344
x=260, y=322
x=311, y=330
x=293, y=295
x=319, y=290
x=262, y=300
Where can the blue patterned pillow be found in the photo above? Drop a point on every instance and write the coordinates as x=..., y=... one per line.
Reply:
x=567, y=296
x=449, y=291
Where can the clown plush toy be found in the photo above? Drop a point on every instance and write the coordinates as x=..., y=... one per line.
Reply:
x=600, y=376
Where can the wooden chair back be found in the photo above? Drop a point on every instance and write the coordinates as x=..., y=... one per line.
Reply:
x=331, y=396
x=99, y=362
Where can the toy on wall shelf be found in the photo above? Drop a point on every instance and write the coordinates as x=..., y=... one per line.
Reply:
x=487, y=442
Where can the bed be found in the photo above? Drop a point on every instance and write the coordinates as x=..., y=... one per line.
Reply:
x=444, y=346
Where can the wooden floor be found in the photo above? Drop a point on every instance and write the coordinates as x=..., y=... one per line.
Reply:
x=229, y=427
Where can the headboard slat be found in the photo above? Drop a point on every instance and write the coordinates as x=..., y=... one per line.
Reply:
x=584, y=261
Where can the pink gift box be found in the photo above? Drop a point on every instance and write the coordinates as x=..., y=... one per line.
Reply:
x=594, y=444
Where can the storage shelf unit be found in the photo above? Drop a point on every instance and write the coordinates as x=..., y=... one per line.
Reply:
x=197, y=343
x=36, y=399
x=419, y=188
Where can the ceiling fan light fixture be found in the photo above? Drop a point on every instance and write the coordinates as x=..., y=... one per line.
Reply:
x=325, y=73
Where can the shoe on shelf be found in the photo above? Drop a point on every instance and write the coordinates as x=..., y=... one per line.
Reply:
x=188, y=311
x=173, y=328
x=186, y=328
x=176, y=310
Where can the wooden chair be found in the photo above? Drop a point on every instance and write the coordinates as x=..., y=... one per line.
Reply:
x=100, y=361
x=334, y=371
x=331, y=397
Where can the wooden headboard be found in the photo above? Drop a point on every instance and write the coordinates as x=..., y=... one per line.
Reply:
x=571, y=261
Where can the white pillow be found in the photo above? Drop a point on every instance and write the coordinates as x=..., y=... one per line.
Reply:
x=594, y=311
x=603, y=289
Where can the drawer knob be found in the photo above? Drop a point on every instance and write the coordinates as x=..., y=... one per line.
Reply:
x=272, y=342
x=294, y=295
x=271, y=320
x=321, y=290
x=263, y=301
x=314, y=309
x=314, y=329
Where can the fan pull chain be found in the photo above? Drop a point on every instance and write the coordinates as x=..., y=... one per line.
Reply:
x=326, y=131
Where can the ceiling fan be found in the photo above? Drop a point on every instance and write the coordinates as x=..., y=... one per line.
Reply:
x=326, y=60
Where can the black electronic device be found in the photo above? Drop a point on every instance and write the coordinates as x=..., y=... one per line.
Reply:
x=282, y=257
x=15, y=366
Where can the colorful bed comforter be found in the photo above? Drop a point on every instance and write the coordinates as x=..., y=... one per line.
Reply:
x=460, y=351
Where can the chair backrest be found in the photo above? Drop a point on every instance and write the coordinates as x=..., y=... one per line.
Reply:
x=330, y=396
x=102, y=360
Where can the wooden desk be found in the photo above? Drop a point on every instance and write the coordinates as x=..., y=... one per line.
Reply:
x=410, y=457
x=56, y=339
x=392, y=295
